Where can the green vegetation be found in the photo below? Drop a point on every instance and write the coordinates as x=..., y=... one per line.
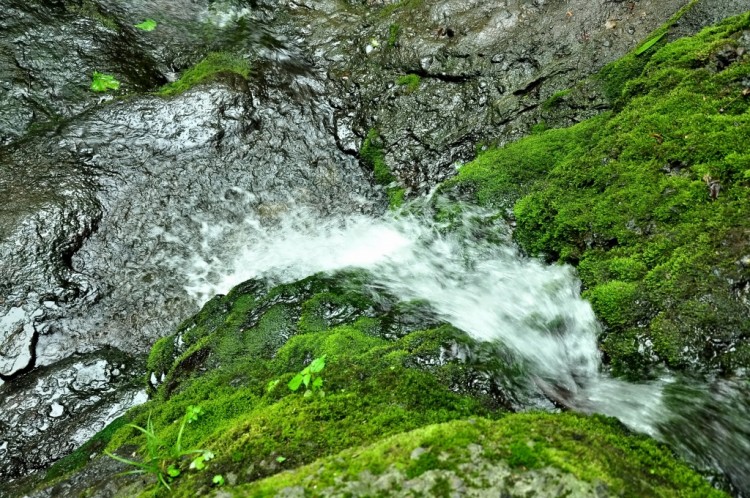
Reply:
x=214, y=65
x=91, y=10
x=394, y=30
x=624, y=196
x=589, y=451
x=615, y=75
x=372, y=155
x=239, y=344
x=555, y=100
x=163, y=461
x=147, y=25
x=410, y=81
x=310, y=378
x=386, y=373
x=101, y=82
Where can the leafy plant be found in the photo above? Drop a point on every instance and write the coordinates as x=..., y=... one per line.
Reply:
x=218, y=480
x=410, y=81
x=162, y=461
x=147, y=25
x=650, y=43
x=310, y=378
x=101, y=82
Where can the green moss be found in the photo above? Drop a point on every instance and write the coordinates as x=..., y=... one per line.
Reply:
x=394, y=30
x=539, y=128
x=372, y=155
x=90, y=9
x=623, y=196
x=252, y=339
x=161, y=356
x=215, y=64
x=555, y=100
x=612, y=301
x=591, y=449
x=615, y=75
x=410, y=81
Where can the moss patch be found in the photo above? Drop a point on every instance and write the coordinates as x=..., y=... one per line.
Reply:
x=372, y=155
x=589, y=449
x=212, y=66
x=625, y=196
x=410, y=81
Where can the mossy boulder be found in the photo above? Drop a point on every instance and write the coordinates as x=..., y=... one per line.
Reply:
x=406, y=403
x=651, y=201
x=517, y=456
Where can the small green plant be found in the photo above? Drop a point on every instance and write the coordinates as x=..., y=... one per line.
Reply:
x=410, y=81
x=281, y=459
x=218, y=480
x=650, y=43
x=310, y=377
x=147, y=25
x=394, y=30
x=161, y=461
x=101, y=82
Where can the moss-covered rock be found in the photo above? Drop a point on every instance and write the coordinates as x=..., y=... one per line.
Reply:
x=390, y=368
x=516, y=456
x=651, y=201
x=211, y=67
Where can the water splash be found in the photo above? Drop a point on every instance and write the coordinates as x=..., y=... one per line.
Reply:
x=472, y=276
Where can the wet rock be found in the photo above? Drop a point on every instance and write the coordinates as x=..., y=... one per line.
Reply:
x=48, y=53
x=67, y=404
x=488, y=82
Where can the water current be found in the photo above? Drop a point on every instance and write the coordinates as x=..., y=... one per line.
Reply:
x=473, y=277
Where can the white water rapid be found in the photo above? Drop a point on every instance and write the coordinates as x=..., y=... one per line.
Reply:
x=470, y=273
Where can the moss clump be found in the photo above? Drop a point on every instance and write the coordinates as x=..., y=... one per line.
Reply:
x=372, y=155
x=410, y=81
x=592, y=450
x=213, y=65
x=555, y=100
x=394, y=30
x=615, y=75
x=91, y=10
x=625, y=196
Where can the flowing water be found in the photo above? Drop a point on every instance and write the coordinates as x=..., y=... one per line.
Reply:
x=473, y=277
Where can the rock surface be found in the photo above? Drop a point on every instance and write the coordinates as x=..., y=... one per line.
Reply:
x=106, y=199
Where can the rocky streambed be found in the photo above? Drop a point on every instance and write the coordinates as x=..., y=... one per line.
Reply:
x=124, y=211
